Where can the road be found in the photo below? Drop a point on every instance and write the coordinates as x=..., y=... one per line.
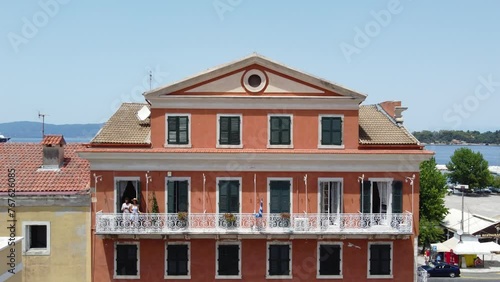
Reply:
x=469, y=277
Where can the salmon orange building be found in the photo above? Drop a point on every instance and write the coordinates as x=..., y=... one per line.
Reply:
x=255, y=171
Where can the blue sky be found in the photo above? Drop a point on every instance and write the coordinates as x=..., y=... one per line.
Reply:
x=77, y=60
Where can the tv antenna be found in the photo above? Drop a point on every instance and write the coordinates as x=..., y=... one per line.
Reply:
x=150, y=79
x=40, y=115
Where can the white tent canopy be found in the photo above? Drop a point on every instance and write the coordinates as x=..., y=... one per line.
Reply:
x=469, y=245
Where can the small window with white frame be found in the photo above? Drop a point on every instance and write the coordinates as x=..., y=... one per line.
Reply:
x=228, y=260
x=280, y=131
x=229, y=131
x=178, y=260
x=36, y=238
x=331, y=131
x=380, y=259
x=279, y=260
x=127, y=260
x=178, y=131
x=329, y=260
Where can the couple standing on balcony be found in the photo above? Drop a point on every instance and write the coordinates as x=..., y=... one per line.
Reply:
x=131, y=208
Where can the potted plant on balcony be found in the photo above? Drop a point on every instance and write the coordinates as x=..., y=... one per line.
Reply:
x=285, y=219
x=182, y=217
x=230, y=219
x=154, y=218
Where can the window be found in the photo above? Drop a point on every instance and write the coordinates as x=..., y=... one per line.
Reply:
x=330, y=260
x=229, y=195
x=178, y=130
x=177, y=195
x=380, y=262
x=177, y=265
x=126, y=187
x=36, y=237
x=229, y=131
x=381, y=195
x=330, y=131
x=228, y=260
x=280, y=131
x=126, y=260
x=254, y=81
x=279, y=259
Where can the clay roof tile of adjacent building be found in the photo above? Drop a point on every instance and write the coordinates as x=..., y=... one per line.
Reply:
x=30, y=178
x=378, y=128
x=124, y=127
x=53, y=140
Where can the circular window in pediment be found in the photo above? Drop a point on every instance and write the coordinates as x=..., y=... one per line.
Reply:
x=254, y=81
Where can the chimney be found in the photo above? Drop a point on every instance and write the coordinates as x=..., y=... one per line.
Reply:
x=394, y=110
x=53, y=151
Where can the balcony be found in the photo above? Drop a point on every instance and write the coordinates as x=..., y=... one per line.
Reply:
x=249, y=224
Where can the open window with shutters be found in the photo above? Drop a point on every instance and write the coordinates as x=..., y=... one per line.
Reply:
x=127, y=260
x=380, y=260
x=329, y=260
x=330, y=131
x=228, y=260
x=280, y=131
x=229, y=131
x=228, y=208
x=381, y=197
x=279, y=260
x=177, y=264
x=330, y=200
x=178, y=130
x=127, y=188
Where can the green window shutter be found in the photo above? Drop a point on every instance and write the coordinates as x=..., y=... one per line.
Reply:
x=337, y=131
x=224, y=130
x=170, y=197
x=285, y=197
x=183, y=196
x=172, y=130
x=234, y=135
x=331, y=131
x=234, y=196
x=397, y=196
x=280, y=196
x=280, y=130
x=223, y=196
x=365, y=196
x=183, y=135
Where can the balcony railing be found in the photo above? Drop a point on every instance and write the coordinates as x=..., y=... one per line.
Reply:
x=205, y=223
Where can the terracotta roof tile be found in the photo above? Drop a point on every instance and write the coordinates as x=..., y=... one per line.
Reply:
x=377, y=128
x=53, y=140
x=124, y=127
x=26, y=159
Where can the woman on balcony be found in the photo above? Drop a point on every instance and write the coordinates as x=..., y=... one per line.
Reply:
x=134, y=210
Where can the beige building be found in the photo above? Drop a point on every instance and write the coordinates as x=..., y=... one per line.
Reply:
x=50, y=202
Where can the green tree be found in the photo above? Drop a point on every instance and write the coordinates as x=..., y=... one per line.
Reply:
x=432, y=208
x=467, y=167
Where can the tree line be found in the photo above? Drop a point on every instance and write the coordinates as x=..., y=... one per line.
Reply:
x=446, y=136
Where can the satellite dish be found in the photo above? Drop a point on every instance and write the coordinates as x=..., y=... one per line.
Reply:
x=460, y=232
x=143, y=113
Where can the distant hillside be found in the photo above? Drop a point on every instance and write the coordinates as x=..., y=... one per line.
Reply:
x=29, y=129
x=458, y=136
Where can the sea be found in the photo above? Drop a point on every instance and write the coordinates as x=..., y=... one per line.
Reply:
x=443, y=152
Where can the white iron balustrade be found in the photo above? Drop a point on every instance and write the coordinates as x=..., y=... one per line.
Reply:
x=247, y=223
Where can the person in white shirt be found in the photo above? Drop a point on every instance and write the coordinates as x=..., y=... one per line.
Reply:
x=126, y=211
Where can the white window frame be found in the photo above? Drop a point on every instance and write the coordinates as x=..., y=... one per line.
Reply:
x=368, y=260
x=320, y=129
x=217, y=180
x=218, y=145
x=389, y=192
x=269, y=179
x=217, y=244
x=269, y=131
x=177, y=178
x=138, y=276
x=26, y=239
x=331, y=179
x=188, y=145
x=124, y=178
x=188, y=264
x=341, y=276
x=267, y=260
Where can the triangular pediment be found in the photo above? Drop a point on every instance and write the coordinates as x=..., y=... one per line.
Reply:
x=254, y=75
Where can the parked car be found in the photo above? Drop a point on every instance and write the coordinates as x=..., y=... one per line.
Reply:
x=494, y=189
x=441, y=269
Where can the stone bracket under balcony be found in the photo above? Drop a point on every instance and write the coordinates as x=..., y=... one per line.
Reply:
x=249, y=224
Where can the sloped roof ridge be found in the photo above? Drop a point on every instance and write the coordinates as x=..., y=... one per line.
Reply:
x=400, y=125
